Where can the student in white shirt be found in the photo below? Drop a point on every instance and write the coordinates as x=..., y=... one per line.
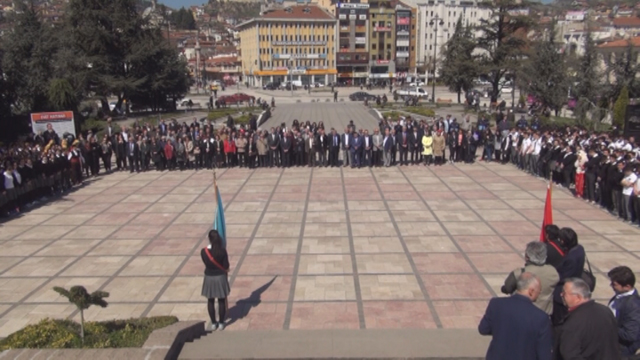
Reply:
x=628, y=184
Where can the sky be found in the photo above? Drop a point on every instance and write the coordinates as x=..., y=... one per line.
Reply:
x=177, y=4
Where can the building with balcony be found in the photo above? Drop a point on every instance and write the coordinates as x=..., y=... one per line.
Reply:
x=353, y=43
x=393, y=40
x=430, y=43
x=297, y=43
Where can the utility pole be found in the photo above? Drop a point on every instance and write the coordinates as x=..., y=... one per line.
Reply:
x=434, y=23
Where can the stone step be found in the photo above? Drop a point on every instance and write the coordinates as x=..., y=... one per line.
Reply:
x=342, y=344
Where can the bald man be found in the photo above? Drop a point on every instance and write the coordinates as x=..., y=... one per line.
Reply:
x=520, y=330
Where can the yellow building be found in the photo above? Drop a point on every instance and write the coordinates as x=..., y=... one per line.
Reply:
x=292, y=44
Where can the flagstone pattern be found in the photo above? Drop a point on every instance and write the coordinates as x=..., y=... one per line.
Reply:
x=321, y=248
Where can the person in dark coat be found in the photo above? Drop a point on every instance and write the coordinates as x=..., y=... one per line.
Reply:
x=626, y=308
x=519, y=329
x=555, y=247
x=572, y=266
x=589, y=331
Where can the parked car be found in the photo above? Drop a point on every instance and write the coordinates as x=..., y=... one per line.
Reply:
x=362, y=96
x=271, y=86
x=242, y=97
x=235, y=98
x=417, y=83
x=288, y=85
x=412, y=91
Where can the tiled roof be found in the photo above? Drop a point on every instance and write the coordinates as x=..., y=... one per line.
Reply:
x=628, y=21
x=635, y=41
x=299, y=12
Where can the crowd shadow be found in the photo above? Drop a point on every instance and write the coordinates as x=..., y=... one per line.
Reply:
x=243, y=306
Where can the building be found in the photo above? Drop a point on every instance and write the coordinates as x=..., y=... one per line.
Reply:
x=353, y=45
x=382, y=64
x=406, y=34
x=297, y=43
x=608, y=52
x=448, y=14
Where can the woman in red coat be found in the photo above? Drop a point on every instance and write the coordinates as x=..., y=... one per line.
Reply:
x=168, y=154
x=230, y=149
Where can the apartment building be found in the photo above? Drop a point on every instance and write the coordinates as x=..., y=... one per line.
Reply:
x=353, y=45
x=295, y=43
x=431, y=40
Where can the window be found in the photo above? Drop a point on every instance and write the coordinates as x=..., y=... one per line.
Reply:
x=374, y=57
x=373, y=46
x=388, y=46
x=413, y=27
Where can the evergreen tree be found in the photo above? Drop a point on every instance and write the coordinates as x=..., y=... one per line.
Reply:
x=502, y=41
x=620, y=108
x=458, y=68
x=545, y=73
x=588, y=77
x=26, y=62
x=625, y=68
x=103, y=34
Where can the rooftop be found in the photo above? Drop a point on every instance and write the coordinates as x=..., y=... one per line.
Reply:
x=629, y=21
x=307, y=12
x=622, y=43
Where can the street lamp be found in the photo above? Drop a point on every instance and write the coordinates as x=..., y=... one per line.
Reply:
x=435, y=22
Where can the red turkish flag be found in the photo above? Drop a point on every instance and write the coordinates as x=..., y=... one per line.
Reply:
x=548, y=212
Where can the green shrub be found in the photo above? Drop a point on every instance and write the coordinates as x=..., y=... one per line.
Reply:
x=64, y=334
x=231, y=110
x=620, y=108
x=422, y=111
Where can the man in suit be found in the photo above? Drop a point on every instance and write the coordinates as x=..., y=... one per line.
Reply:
x=519, y=329
x=286, y=146
x=322, y=143
x=377, y=140
x=625, y=305
x=356, y=150
x=334, y=148
x=274, y=143
x=347, y=158
x=367, y=149
x=589, y=330
x=310, y=148
x=414, y=145
x=403, y=141
x=387, y=145
x=133, y=153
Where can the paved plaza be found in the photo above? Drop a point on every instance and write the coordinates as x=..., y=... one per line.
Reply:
x=334, y=115
x=322, y=248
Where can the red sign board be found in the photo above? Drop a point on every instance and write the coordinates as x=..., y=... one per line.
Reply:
x=404, y=21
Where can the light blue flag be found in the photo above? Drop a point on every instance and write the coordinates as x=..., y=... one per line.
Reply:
x=218, y=222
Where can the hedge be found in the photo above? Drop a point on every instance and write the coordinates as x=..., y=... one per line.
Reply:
x=65, y=334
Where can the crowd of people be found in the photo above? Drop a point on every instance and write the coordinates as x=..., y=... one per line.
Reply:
x=600, y=167
x=550, y=313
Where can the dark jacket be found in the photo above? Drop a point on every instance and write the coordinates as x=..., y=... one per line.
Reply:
x=210, y=268
x=555, y=254
x=571, y=266
x=520, y=330
x=628, y=317
x=588, y=333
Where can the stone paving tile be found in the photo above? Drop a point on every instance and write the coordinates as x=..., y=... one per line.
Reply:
x=325, y=245
x=334, y=287
x=398, y=315
x=97, y=266
x=311, y=316
x=390, y=287
x=431, y=246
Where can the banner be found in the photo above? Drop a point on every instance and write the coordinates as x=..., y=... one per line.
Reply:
x=62, y=122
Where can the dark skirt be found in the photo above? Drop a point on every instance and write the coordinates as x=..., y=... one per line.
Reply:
x=215, y=286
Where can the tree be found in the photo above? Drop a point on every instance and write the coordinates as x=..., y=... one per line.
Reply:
x=26, y=63
x=545, y=74
x=80, y=297
x=588, y=76
x=183, y=19
x=103, y=34
x=61, y=95
x=459, y=69
x=625, y=68
x=620, y=108
x=502, y=42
